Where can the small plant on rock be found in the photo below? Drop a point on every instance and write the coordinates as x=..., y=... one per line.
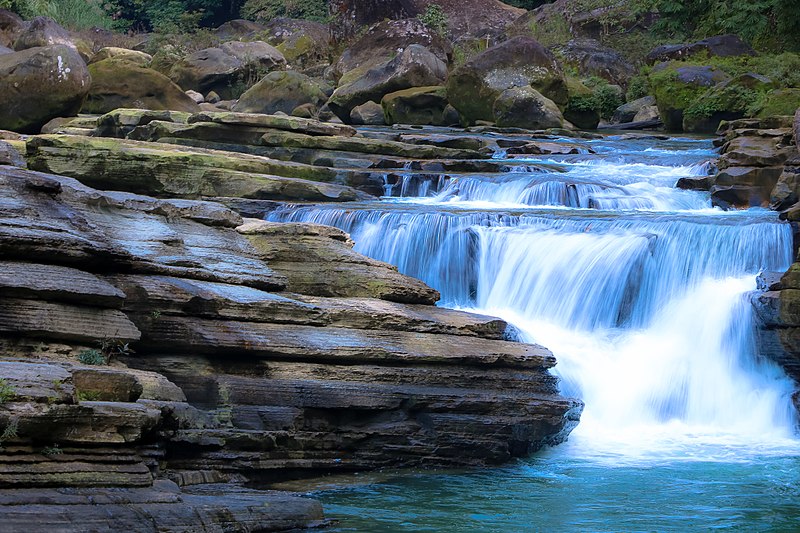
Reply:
x=92, y=357
x=435, y=18
x=52, y=450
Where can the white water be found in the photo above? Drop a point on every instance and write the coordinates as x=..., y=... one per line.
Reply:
x=644, y=303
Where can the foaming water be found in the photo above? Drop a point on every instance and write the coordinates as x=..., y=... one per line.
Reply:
x=642, y=293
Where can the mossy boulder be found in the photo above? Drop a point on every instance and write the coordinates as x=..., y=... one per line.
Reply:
x=780, y=102
x=43, y=31
x=730, y=100
x=122, y=84
x=280, y=91
x=582, y=109
x=303, y=43
x=519, y=62
x=525, y=107
x=717, y=46
x=132, y=56
x=627, y=112
x=591, y=58
x=415, y=67
x=677, y=86
x=417, y=106
x=39, y=84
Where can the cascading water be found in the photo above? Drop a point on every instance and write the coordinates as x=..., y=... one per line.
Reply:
x=638, y=288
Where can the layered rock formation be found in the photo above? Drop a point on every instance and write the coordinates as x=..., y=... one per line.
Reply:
x=231, y=352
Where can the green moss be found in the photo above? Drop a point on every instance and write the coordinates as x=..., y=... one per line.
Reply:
x=780, y=102
x=92, y=357
x=89, y=395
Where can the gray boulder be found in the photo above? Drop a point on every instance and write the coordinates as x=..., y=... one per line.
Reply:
x=525, y=107
x=627, y=112
x=415, y=67
x=282, y=91
x=39, y=84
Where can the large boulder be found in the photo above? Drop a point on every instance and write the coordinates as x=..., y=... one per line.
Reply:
x=117, y=84
x=304, y=43
x=227, y=67
x=40, y=84
x=677, y=86
x=42, y=31
x=418, y=106
x=729, y=100
x=582, y=110
x=719, y=46
x=415, y=67
x=238, y=28
x=384, y=41
x=11, y=25
x=590, y=58
x=519, y=62
x=525, y=107
x=368, y=114
x=280, y=91
x=627, y=112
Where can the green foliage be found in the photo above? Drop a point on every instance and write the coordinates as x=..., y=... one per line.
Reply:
x=10, y=431
x=6, y=391
x=92, y=357
x=528, y=4
x=767, y=24
x=638, y=87
x=52, y=450
x=72, y=14
x=89, y=395
x=170, y=16
x=434, y=18
x=732, y=98
x=603, y=98
x=266, y=10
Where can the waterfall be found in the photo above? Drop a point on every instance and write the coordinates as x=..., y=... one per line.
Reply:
x=639, y=289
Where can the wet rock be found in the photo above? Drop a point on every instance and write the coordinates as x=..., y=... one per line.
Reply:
x=414, y=67
x=695, y=183
x=280, y=92
x=122, y=84
x=10, y=156
x=522, y=62
x=741, y=186
x=39, y=84
x=717, y=46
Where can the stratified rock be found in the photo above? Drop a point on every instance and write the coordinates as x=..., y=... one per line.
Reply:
x=414, y=67
x=296, y=124
x=474, y=87
x=369, y=113
x=418, y=105
x=175, y=172
x=43, y=31
x=525, y=107
x=280, y=91
x=39, y=84
x=122, y=84
x=332, y=269
x=120, y=122
x=719, y=46
x=131, y=56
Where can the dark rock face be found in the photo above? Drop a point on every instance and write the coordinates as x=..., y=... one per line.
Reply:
x=591, y=58
x=40, y=84
x=720, y=46
x=520, y=62
x=263, y=351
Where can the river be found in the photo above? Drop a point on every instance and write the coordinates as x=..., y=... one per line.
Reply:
x=641, y=290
